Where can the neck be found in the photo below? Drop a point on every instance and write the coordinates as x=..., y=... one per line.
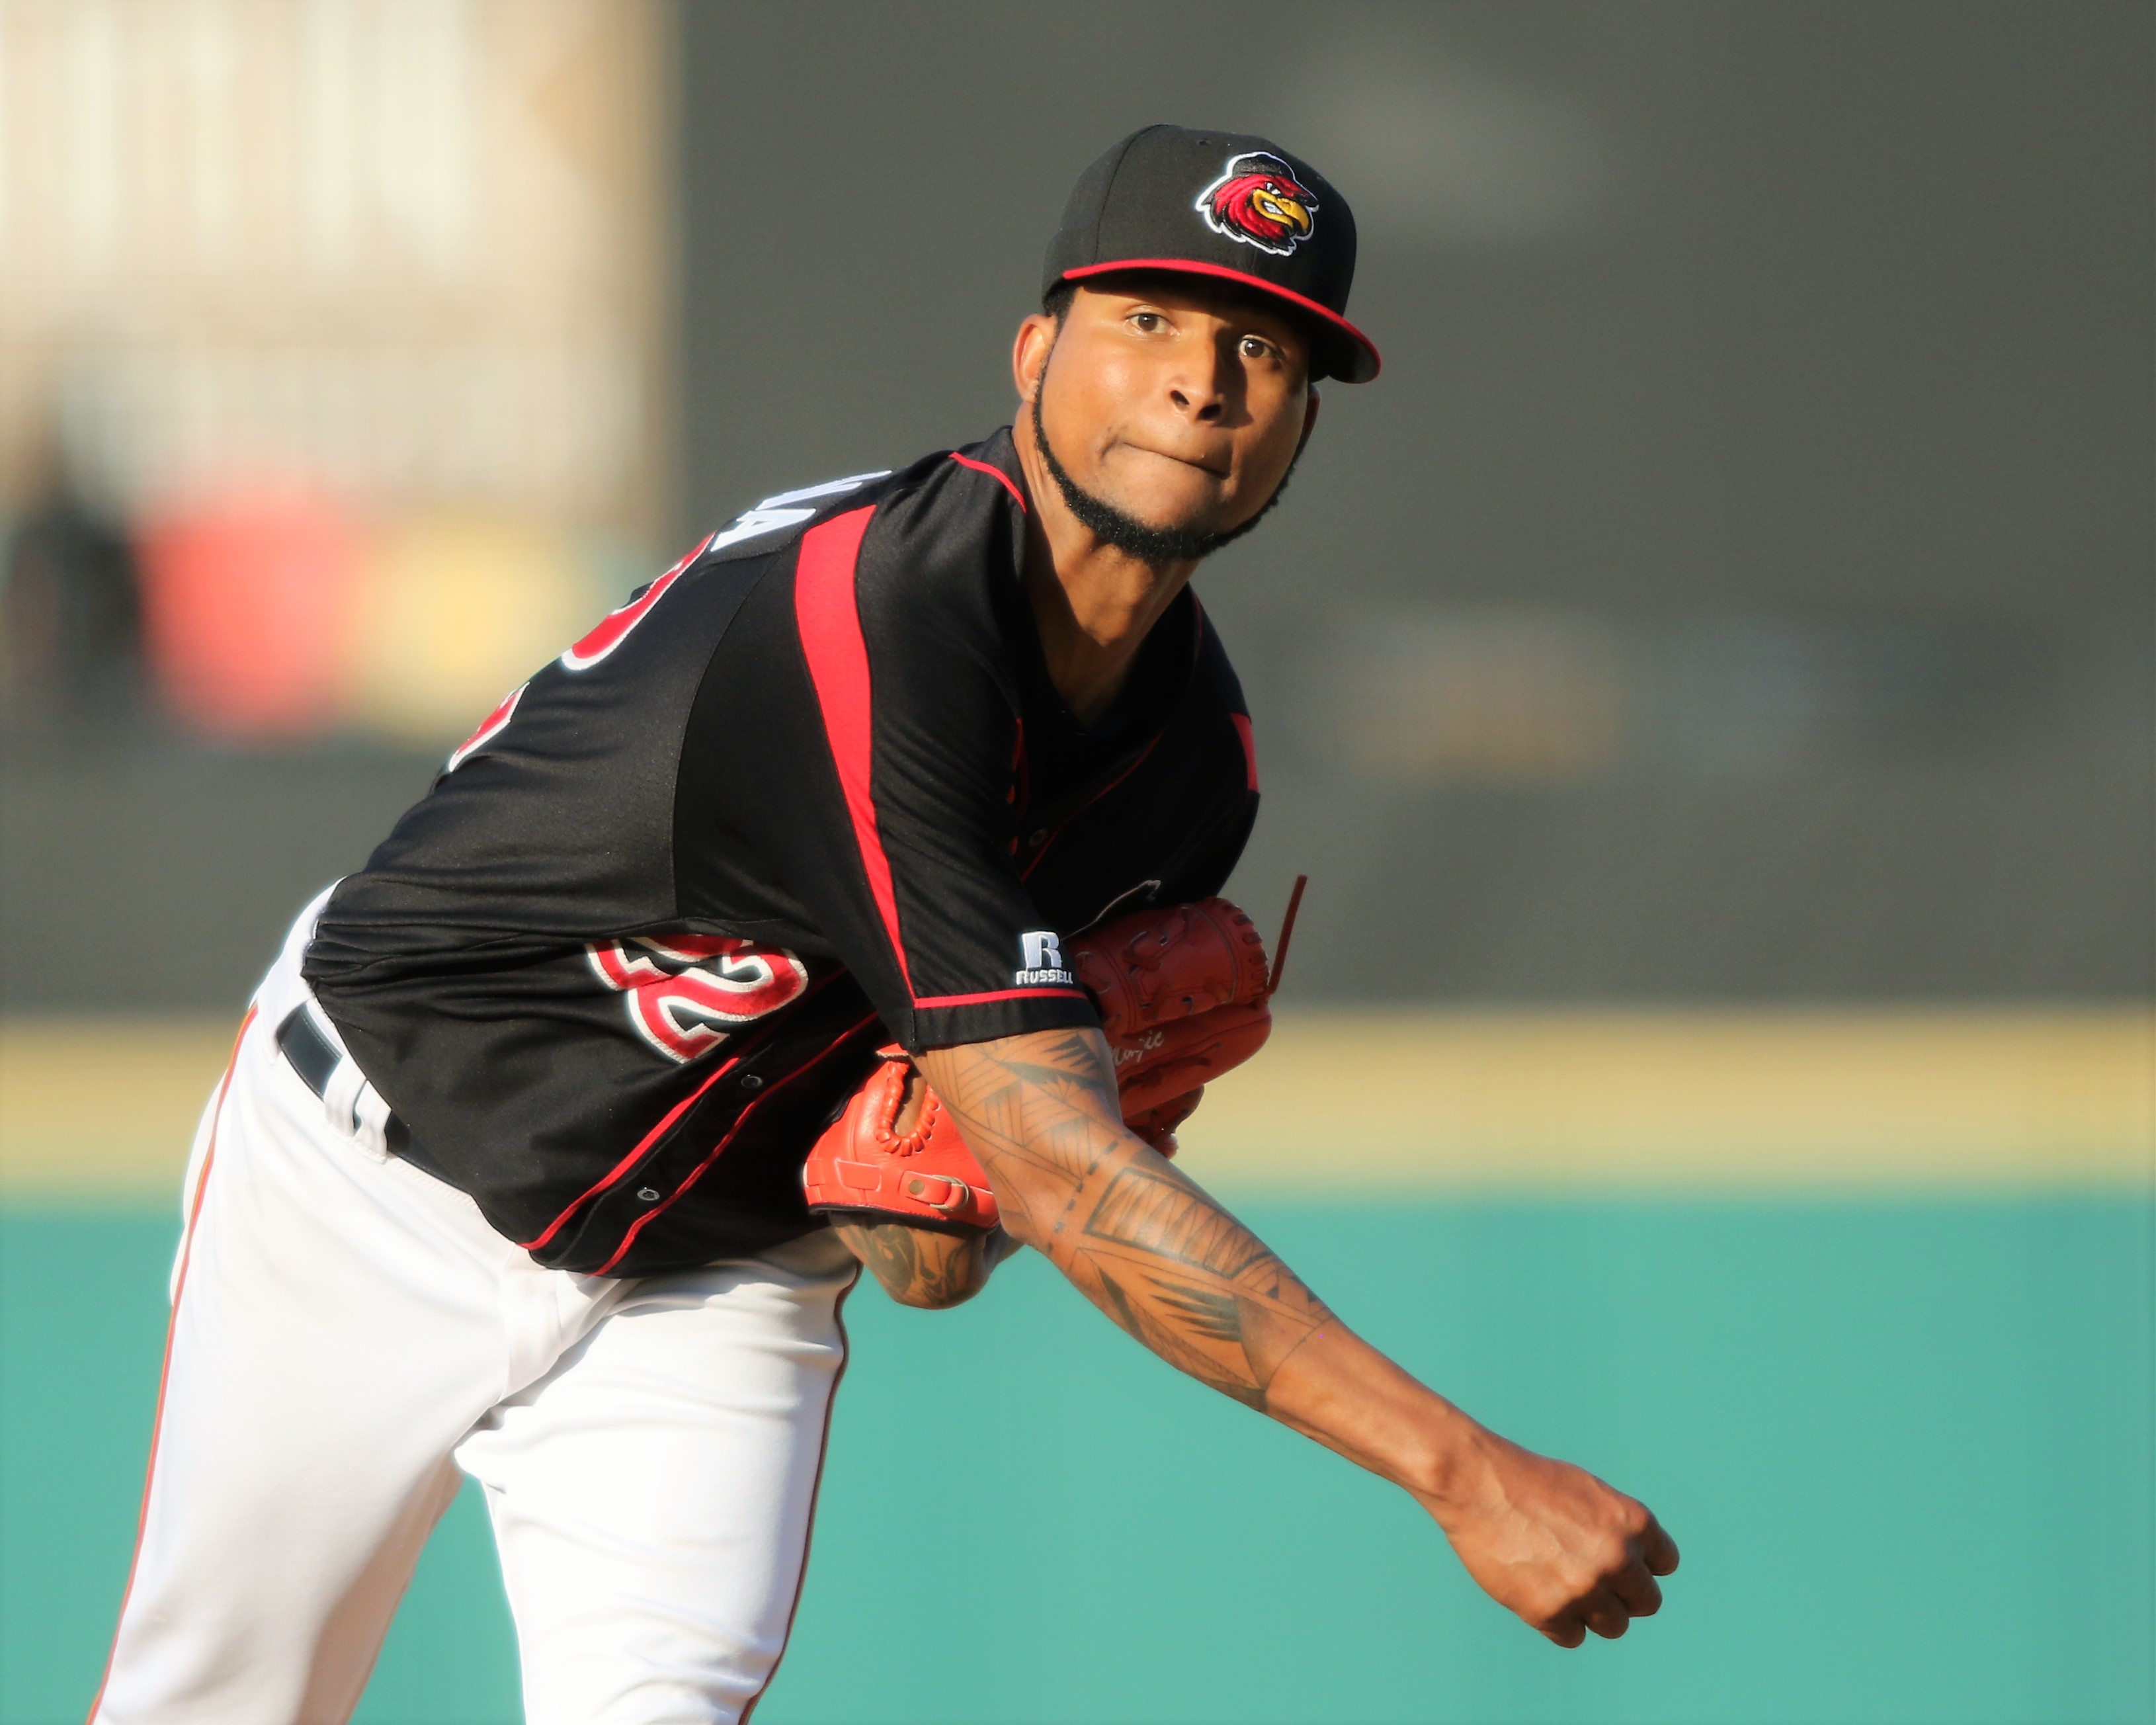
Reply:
x=1093, y=603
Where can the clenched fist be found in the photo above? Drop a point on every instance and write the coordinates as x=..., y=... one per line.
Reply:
x=1551, y=1542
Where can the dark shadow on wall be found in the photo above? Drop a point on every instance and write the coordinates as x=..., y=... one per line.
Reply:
x=1736, y=588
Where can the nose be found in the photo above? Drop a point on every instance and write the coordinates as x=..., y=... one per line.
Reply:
x=1203, y=384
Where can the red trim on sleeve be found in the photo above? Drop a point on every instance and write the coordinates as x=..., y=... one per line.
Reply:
x=1249, y=747
x=827, y=613
x=936, y=1000
x=996, y=474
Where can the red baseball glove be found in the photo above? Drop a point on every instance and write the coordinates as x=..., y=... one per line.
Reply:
x=1185, y=995
x=863, y=1162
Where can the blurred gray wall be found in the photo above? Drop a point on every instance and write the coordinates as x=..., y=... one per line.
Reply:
x=1749, y=535
x=1736, y=588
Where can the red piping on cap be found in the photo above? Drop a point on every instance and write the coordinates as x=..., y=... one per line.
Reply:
x=1187, y=266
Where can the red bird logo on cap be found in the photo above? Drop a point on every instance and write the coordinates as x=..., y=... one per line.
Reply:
x=1260, y=202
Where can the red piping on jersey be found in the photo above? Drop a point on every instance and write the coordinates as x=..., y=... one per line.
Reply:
x=696, y=1173
x=165, y=1373
x=827, y=610
x=995, y=473
x=630, y=1160
x=1242, y=721
x=1185, y=266
x=815, y=1487
x=937, y=1000
x=1250, y=748
x=1020, y=795
x=1047, y=844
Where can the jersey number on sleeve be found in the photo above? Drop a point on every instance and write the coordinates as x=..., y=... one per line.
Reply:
x=613, y=629
x=688, y=992
x=609, y=634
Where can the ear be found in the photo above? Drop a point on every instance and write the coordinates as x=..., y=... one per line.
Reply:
x=1309, y=423
x=1036, y=336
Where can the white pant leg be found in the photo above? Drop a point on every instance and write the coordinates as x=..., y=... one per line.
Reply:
x=340, y=1321
x=652, y=1495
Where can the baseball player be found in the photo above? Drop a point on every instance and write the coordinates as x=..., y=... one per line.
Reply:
x=782, y=923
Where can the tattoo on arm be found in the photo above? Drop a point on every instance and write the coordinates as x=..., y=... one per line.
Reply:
x=1144, y=1244
x=914, y=1266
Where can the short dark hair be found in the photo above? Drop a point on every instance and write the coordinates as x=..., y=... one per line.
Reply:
x=1056, y=303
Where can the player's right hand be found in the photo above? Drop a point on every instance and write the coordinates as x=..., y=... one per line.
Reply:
x=1553, y=1544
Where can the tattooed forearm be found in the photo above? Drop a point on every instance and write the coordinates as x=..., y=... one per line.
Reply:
x=1143, y=1243
x=1162, y=1259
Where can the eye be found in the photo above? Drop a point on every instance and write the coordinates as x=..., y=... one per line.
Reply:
x=1257, y=347
x=1146, y=323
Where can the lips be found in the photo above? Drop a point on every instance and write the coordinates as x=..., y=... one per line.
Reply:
x=1205, y=467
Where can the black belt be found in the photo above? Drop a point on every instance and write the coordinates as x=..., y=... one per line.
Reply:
x=315, y=1059
x=312, y=1054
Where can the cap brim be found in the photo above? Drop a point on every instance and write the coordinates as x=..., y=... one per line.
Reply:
x=1353, y=360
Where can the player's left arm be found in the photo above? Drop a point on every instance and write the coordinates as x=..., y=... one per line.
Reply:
x=1165, y=1261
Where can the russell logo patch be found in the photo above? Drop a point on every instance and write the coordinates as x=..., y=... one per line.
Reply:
x=1259, y=201
x=1042, y=953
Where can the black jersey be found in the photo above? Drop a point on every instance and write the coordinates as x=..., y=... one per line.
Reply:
x=810, y=791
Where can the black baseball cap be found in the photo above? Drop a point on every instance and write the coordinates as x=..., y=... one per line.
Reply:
x=1227, y=205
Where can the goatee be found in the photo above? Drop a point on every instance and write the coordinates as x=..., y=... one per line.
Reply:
x=1129, y=535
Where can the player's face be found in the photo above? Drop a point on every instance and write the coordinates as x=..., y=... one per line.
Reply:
x=1180, y=406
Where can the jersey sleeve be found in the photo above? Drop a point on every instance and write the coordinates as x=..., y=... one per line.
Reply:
x=896, y=838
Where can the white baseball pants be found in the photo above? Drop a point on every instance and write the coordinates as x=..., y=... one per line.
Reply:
x=348, y=1332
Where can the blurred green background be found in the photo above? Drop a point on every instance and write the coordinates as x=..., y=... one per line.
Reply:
x=1905, y=1445
x=1715, y=664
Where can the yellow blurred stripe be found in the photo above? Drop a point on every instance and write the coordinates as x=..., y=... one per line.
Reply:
x=97, y=1106
x=1364, y=1103
x=1359, y=1101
